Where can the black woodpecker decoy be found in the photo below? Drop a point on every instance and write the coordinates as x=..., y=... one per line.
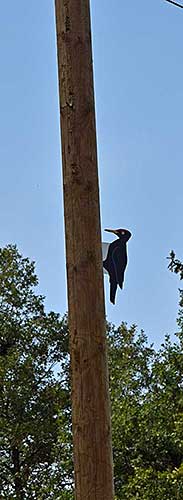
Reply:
x=116, y=260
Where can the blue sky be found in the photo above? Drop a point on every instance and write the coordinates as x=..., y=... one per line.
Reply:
x=139, y=106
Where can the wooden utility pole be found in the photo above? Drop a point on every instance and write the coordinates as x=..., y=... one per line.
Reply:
x=90, y=392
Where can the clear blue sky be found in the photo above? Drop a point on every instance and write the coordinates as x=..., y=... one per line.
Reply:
x=139, y=105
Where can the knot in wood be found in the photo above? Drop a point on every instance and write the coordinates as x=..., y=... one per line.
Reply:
x=67, y=23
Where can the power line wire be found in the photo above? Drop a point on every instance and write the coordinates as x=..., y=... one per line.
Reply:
x=175, y=3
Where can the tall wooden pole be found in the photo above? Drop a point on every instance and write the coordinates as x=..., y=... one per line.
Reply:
x=90, y=393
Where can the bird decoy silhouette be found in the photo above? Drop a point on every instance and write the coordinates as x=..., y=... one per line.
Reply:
x=116, y=260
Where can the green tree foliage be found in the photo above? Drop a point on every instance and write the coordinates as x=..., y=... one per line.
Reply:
x=176, y=266
x=35, y=462
x=35, y=419
x=147, y=416
x=147, y=412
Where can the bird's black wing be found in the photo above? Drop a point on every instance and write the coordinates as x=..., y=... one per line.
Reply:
x=115, y=264
x=119, y=256
x=116, y=261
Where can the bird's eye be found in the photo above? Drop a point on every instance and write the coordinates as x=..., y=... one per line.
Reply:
x=123, y=232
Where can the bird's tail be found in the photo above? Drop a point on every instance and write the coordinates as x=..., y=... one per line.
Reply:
x=113, y=288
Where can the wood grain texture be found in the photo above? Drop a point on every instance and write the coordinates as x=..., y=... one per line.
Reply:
x=90, y=391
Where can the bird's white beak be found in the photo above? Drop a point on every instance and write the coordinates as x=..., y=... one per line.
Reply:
x=110, y=230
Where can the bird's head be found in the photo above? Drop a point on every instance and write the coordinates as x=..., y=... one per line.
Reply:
x=123, y=234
